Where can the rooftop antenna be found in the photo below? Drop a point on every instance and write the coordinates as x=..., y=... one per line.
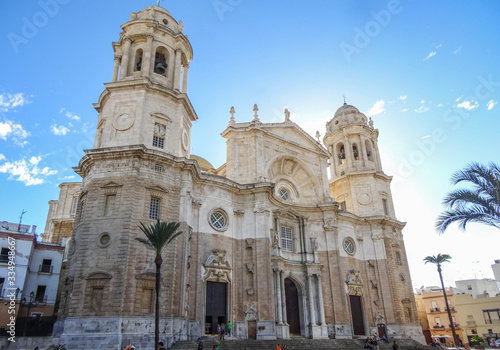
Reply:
x=344, y=99
x=21, y=220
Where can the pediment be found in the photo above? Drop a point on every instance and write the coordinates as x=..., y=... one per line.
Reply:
x=294, y=134
x=157, y=191
x=289, y=213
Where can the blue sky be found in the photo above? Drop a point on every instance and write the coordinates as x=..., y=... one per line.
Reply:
x=426, y=72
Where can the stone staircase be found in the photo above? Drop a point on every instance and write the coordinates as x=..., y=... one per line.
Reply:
x=295, y=343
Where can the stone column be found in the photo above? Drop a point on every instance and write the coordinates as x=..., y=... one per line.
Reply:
x=279, y=302
x=310, y=296
x=125, y=58
x=185, y=78
x=146, y=69
x=118, y=58
x=177, y=70
x=283, y=296
x=320, y=301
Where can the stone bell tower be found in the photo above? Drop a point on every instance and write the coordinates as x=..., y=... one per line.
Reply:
x=151, y=69
x=132, y=175
x=357, y=181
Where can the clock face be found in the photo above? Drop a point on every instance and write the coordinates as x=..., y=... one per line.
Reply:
x=123, y=122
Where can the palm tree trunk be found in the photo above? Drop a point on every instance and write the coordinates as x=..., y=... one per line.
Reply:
x=158, y=262
x=448, y=308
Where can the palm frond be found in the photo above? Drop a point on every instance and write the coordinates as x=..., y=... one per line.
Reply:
x=465, y=216
x=159, y=234
x=438, y=260
x=479, y=204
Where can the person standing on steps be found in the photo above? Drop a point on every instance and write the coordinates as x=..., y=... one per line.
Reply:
x=200, y=346
x=396, y=346
x=160, y=345
x=229, y=325
x=278, y=347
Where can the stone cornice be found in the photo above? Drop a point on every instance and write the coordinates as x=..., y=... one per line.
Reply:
x=140, y=152
x=147, y=84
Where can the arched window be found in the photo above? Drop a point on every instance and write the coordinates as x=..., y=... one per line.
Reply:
x=341, y=153
x=355, y=151
x=138, y=61
x=161, y=59
x=369, y=150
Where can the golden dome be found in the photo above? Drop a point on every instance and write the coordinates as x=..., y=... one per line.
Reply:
x=204, y=164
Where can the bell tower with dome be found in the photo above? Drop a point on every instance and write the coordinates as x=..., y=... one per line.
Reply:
x=357, y=181
x=146, y=102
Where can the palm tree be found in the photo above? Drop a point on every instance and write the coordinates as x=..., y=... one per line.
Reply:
x=438, y=260
x=481, y=203
x=158, y=235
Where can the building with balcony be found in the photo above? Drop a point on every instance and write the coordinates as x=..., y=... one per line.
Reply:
x=29, y=275
x=430, y=300
x=480, y=314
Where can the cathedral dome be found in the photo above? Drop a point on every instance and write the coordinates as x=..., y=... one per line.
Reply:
x=345, y=115
x=204, y=164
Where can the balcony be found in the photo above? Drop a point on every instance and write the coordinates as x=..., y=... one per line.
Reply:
x=45, y=269
x=4, y=258
x=452, y=309
x=435, y=309
x=471, y=323
x=439, y=326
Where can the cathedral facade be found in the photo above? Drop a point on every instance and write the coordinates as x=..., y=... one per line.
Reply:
x=269, y=242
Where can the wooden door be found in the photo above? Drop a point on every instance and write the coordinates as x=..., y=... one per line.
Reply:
x=216, y=305
x=358, y=324
x=292, y=306
x=252, y=329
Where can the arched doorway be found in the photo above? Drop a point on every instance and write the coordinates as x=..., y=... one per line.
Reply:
x=292, y=306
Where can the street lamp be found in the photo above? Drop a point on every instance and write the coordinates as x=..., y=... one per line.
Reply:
x=30, y=304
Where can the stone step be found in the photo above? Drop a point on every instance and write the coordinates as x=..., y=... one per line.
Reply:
x=295, y=343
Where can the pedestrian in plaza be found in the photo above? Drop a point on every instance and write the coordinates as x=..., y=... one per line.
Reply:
x=396, y=346
x=229, y=325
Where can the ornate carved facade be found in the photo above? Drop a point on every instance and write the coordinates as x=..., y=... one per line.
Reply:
x=270, y=242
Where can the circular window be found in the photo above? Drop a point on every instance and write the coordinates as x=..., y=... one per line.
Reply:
x=104, y=240
x=284, y=194
x=349, y=246
x=218, y=219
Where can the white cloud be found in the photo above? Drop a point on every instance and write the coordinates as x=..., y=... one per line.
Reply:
x=491, y=104
x=16, y=131
x=458, y=50
x=9, y=101
x=377, y=108
x=72, y=116
x=59, y=130
x=432, y=53
x=69, y=114
x=458, y=99
x=403, y=97
x=69, y=177
x=404, y=110
x=440, y=105
x=468, y=105
x=26, y=171
x=422, y=108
